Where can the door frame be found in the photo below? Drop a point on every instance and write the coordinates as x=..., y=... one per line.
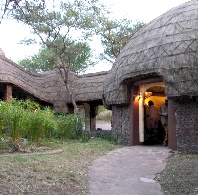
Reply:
x=136, y=116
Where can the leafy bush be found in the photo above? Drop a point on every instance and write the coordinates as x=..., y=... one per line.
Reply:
x=2, y=118
x=69, y=126
x=24, y=119
x=39, y=124
x=25, y=104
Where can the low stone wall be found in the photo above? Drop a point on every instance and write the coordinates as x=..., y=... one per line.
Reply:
x=186, y=109
x=120, y=126
x=99, y=133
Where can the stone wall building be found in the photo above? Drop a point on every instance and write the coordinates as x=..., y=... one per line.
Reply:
x=161, y=59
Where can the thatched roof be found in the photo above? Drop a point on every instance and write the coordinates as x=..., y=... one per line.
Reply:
x=88, y=87
x=167, y=47
x=49, y=86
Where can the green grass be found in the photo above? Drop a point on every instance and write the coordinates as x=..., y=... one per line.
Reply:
x=180, y=177
x=63, y=173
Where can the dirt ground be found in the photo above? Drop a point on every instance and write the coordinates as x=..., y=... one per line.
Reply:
x=59, y=171
x=64, y=171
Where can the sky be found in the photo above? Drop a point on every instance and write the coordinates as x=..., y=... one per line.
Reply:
x=12, y=32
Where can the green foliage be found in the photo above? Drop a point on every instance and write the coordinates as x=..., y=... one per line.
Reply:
x=101, y=109
x=61, y=30
x=56, y=32
x=69, y=127
x=24, y=119
x=39, y=124
x=115, y=34
x=85, y=137
x=13, y=118
x=25, y=104
x=38, y=63
x=112, y=138
x=2, y=118
x=77, y=56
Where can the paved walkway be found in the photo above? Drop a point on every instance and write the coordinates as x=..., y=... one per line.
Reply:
x=128, y=171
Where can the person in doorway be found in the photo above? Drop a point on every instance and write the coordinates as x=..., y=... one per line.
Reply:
x=152, y=123
x=153, y=115
x=164, y=120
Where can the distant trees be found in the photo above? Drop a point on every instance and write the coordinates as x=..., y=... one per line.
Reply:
x=77, y=56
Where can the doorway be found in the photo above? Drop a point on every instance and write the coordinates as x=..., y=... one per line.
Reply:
x=151, y=98
x=154, y=132
x=141, y=93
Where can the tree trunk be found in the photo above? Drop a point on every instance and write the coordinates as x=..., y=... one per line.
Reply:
x=63, y=70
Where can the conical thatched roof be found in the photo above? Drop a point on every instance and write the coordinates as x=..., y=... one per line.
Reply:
x=167, y=47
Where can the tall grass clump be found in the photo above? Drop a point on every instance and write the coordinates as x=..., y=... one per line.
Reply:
x=24, y=119
x=13, y=118
x=40, y=124
x=1, y=119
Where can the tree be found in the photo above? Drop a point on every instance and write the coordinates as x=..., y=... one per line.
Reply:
x=77, y=56
x=55, y=28
x=115, y=34
x=10, y=5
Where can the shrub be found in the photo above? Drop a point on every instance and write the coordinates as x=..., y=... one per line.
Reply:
x=25, y=104
x=2, y=118
x=69, y=126
x=24, y=119
x=39, y=124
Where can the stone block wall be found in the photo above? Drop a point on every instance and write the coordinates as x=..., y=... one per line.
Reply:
x=186, y=110
x=120, y=121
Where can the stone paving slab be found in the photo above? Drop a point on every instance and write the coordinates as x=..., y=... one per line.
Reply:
x=128, y=171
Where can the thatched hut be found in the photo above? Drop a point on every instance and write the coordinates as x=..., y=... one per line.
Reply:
x=49, y=90
x=160, y=61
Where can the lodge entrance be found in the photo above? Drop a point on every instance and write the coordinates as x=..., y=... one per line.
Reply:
x=152, y=97
x=154, y=132
x=141, y=129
